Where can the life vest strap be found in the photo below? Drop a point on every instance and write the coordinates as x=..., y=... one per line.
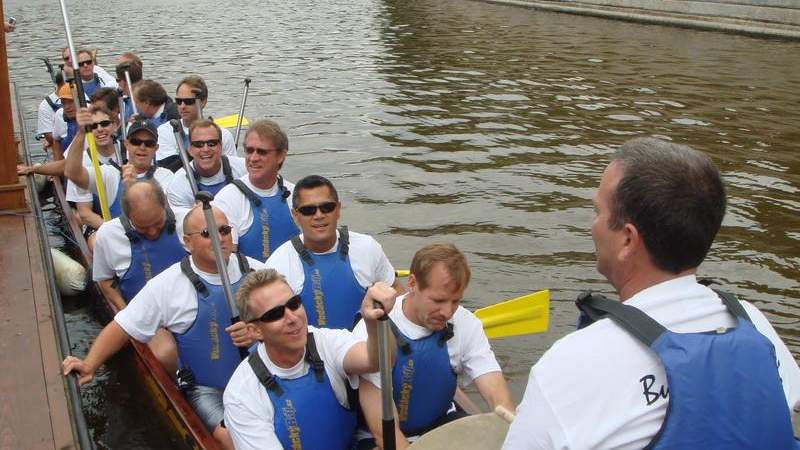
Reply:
x=302, y=250
x=254, y=199
x=268, y=380
x=631, y=319
x=344, y=242
x=186, y=268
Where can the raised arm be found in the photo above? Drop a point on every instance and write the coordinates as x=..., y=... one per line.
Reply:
x=73, y=168
x=363, y=357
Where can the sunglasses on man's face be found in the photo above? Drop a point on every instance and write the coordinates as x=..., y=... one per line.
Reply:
x=184, y=101
x=84, y=63
x=201, y=144
x=149, y=143
x=259, y=151
x=224, y=230
x=102, y=123
x=276, y=313
x=310, y=210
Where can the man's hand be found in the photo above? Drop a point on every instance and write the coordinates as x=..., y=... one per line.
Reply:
x=73, y=364
x=22, y=169
x=240, y=334
x=378, y=301
x=9, y=27
x=84, y=117
x=128, y=175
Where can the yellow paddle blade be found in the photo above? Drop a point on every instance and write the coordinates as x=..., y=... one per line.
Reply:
x=522, y=315
x=230, y=121
x=401, y=273
x=98, y=178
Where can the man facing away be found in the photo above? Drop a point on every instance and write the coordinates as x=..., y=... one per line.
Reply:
x=712, y=372
x=437, y=340
x=330, y=268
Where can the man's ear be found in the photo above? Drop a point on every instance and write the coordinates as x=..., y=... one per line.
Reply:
x=412, y=283
x=632, y=242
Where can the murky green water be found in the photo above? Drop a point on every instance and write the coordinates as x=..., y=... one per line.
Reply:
x=483, y=125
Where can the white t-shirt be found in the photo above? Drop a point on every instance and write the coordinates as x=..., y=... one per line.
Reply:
x=179, y=193
x=367, y=260
x=59, y=126
x=77, y=194
x=46, y=115
x=111, y=178
x=237, y=207
x=107, y=79
x=587, y=391
x=248, y=409
x=167, y=145
x=112, y=251
x=170, y=301
x=470, y=353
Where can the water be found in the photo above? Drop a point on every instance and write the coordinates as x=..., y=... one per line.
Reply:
x=484, y=125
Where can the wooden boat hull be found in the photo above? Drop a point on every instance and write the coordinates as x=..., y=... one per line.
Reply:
x=168, y=403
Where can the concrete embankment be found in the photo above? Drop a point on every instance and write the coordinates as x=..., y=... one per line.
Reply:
x=766, y=18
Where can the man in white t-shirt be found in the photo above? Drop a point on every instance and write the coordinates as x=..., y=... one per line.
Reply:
x=437, y=340
x=188, y=300
x=329, y=268
x=258, y=204
x=186, y=99
x=294, y=390
x=657, y=211
x=101, y=73
x=46, y=114
x=211, y=169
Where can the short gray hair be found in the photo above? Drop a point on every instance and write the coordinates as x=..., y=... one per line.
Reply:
x=253, y=281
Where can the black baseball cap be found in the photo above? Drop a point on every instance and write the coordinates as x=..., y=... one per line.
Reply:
x=141, y=124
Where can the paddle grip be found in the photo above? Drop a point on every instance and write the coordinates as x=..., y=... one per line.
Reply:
x=388, y=434
x=379, y=305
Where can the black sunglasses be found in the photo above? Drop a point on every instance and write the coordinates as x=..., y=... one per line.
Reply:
x=201, y=144
x=224, y=230
x=276, y=313
x=149, y=143
x=184, y=101
x=84, y=63
x=260, y=151
x=102, y=123
x=310, y=210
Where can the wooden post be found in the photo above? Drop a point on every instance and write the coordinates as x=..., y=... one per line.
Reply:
x=12, y=192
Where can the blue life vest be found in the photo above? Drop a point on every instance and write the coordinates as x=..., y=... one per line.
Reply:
x=72, y=130
x=272, y=222
x=92, y=85
x=115, y=207
x=307, y=413
x=331, y=294
x=724, y=387
x=205, y=348
x=215, y=188
x=423, y=382
x=149, y=258
x=54, y=105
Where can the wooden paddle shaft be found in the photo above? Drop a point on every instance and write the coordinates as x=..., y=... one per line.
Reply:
x=177, y=130
x=130, y=91
x=241, y=112
x=387, y=401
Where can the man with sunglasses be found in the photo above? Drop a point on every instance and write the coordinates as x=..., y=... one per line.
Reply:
x=101, y=73
x=257, y=204
x=212, y=170
x=91, y=81
x=190, y=90
x=153, y=103
x=295, y=390
x=188, y=300
x=141, y=144
x=329, y=268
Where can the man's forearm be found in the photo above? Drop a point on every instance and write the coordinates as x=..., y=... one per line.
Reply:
x=73, y=168
x=112, y=293
x=108, y=342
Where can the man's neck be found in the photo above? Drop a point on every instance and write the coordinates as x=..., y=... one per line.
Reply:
x=320, y=247
x=647, y=279
x=205, y=266
x=263, y=183
x=211, y=172
x=408, y=311
x=285, y=359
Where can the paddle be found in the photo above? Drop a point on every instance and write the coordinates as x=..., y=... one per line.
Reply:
x=177, y=130
x=522, y=315
x=222, y=267
x=231, y=121
x=130, y=90
x=241, y=113
x=98, y=176
x=198, y=103
x=387, y=401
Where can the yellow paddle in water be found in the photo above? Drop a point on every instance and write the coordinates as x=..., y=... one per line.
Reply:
x=231, y=121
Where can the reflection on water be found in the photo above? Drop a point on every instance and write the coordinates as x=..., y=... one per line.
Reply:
x=483, y=125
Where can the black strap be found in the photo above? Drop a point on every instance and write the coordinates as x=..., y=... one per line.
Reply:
x=733, y=305
x=150, y=172
x=170, y=220
x=254, y=199
x=284, y=191
x=312, y=356
x=263, y=374
x=226, y=170
x=128, y=227
x=244, y=266
x=53, y=105
x=98, y=80
x=631, y=319
x=186, y=268
x=302, y=250
x=344, y=242
x=446, y=334
x=402, y=342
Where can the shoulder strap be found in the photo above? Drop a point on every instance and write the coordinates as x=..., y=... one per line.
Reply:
x=128, y=227
x=247, y=192
x=734, y=306
x=634, y=321
x=115, y=165
x=445, y=334
x=186, y=268
x=402, y=342
x=244, y=266
x=98, y=80
x=312, y=356
x=344, y=242
x=283, y=190
x=170, y=220
x=263, y=374
x=150, y=172
x=53, y=105
x=302, y=250
x=226, y=169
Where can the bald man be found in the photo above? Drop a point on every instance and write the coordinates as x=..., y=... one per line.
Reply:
x=187, y=299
